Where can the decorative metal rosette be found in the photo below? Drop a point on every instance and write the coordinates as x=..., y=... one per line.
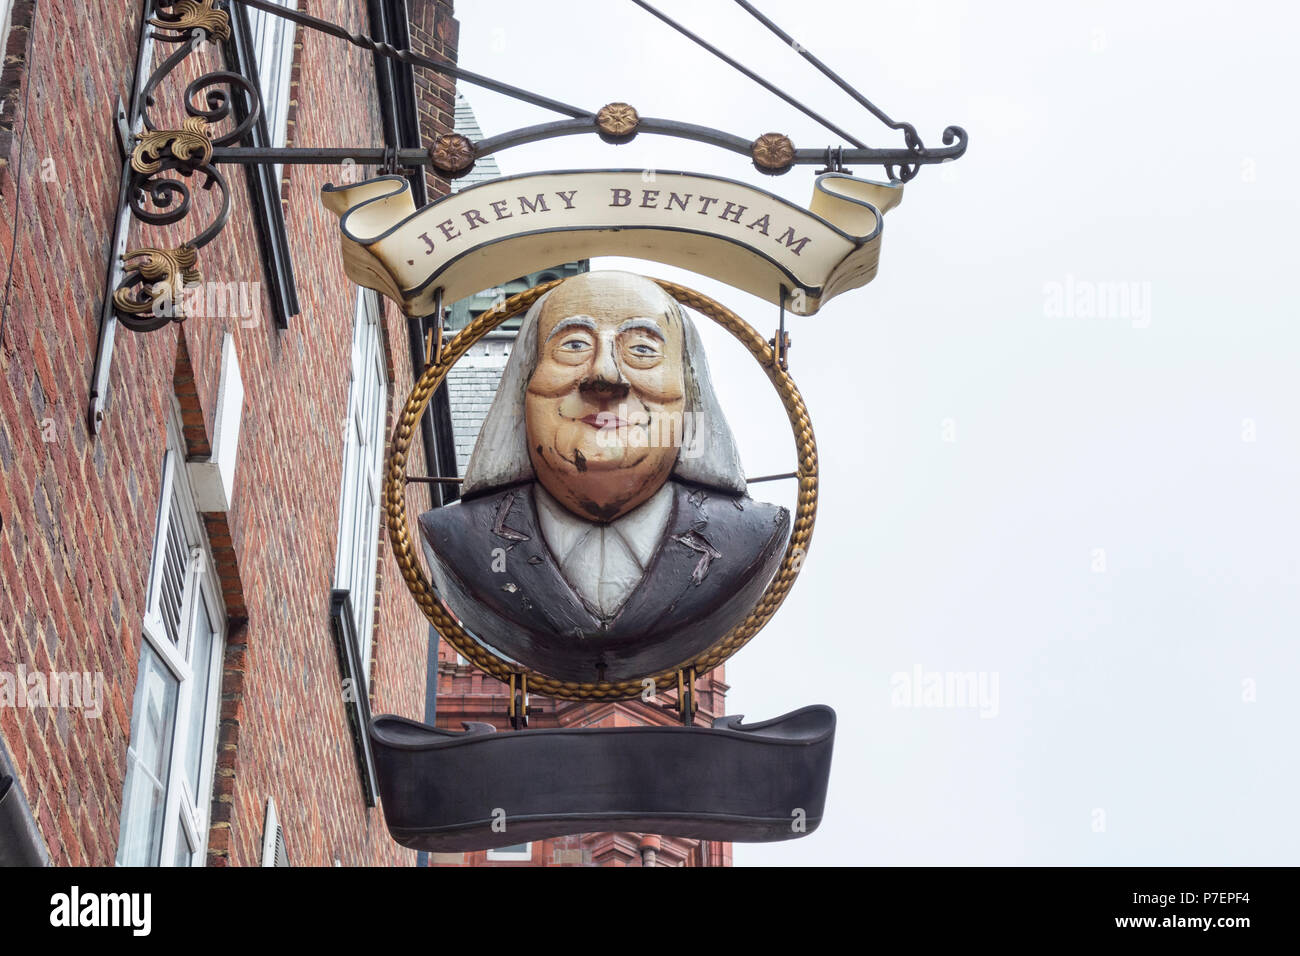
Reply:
x=617, y=122
x=452, y=155
x=773, y=153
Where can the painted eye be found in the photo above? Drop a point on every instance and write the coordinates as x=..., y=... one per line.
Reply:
x=574, y=345
x=644, y=350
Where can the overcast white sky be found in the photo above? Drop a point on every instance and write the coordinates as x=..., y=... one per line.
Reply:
x=1100, y=512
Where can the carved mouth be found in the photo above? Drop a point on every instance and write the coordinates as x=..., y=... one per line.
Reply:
x=603, y=420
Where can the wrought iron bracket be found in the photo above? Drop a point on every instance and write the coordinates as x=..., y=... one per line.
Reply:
x=146, y=298
x=165, y=159
x=162, y=160
x=122, y=124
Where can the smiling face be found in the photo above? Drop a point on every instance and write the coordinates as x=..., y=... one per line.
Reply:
x=608, y=382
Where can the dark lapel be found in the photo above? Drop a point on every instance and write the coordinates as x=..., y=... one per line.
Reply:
x=717, y=554
x=714, y=544
x=530, y=590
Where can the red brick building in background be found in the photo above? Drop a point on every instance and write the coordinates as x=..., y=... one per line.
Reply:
x=214, y=610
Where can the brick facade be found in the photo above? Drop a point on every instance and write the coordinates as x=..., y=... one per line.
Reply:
x=78, y=509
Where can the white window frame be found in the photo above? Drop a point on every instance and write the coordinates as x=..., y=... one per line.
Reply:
x=506, y=855
x=6, y=15
x=273, y=845
x=187, y=813
x=273, y=40
x=361, y=498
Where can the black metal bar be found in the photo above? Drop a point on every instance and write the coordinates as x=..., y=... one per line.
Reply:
x=262, y=184
x=714, y=137
x=414, y=59
x=779, y=341
x=734, y=64
x=312, y=156
x=834, y=77
x=20, y=837
x=533, y=134
x=108, y=317
x=919, y=151
x=385, y=78
x=432, y=480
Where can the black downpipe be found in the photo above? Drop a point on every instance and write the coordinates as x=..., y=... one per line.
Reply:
x=396, y=86
x=20, y=840
x=395, y=82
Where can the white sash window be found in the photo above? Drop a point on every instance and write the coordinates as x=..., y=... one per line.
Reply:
x=363, y=454
x=171, y=757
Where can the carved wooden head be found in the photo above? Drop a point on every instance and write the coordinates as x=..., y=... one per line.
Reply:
x=608, y=381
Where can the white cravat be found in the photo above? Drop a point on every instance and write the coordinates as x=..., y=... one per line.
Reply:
x=604, y=562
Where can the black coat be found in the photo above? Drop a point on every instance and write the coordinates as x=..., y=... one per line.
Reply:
x=718, y=553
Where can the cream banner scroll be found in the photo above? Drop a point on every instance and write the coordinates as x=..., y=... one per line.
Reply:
x=513, y=225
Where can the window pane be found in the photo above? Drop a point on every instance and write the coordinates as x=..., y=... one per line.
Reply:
x=197, y=743
x=360, y=507
x=184, y=853
x=273, y=39
x=153, y=720
x=142, y=810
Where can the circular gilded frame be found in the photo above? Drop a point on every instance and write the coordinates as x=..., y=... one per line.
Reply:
x=502, y=669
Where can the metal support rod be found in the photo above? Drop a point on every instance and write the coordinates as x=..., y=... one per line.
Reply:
x=433, y=350
x=414, y=59
x=437, y=480
x=373, y=155
x=715, y=137
x=129, y=121
x=781, y=341
x=770, y=87
x=830, y=74
x=432, y=480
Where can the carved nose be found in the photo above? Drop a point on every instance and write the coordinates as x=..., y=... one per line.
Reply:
x=606, y=378
x=601, y=387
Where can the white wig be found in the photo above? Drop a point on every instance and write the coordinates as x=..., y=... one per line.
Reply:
x=708, y=455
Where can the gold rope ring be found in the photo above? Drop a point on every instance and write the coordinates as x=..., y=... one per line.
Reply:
x=484, y=659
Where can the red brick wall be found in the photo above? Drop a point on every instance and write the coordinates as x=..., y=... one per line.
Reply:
x=435, y=34
x=12, y=67
x=78, y=509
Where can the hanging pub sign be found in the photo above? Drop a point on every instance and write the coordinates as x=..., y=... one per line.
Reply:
x=605, y=545
x=733, y=232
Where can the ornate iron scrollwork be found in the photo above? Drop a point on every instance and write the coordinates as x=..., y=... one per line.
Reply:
x=165, y=159
x=189, y=15
x=180, y=145
x=166, y=272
